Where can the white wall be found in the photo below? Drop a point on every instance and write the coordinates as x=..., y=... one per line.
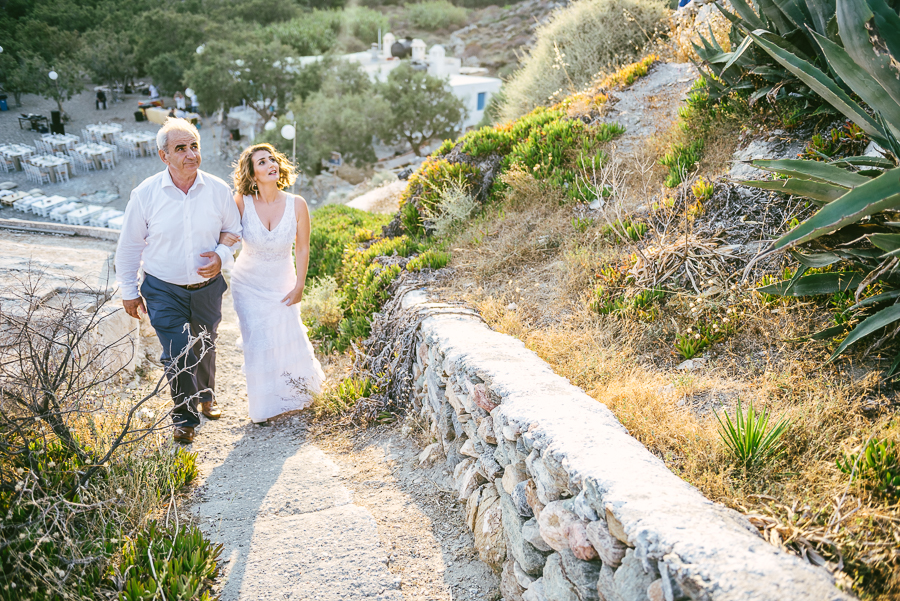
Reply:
x=467, y=88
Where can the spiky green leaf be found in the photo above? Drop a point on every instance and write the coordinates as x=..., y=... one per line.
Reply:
x=820, y=83
x=816, y=284
x=871, y=90
x=853, y=16
x=819, y=191
x=883, y=318
x=865, y=161
x=872, y=197
x=812, y=170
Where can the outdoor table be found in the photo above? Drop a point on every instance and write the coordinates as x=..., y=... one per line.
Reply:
x=59, y=212
x=34, y=121
x=83, y=215
x=102, y=218
x=16, y=152
x=43, y=207
x=106, y=131
x=24, y=204
x=93, y=152
x=143, y=141
x=52, y=162
x=60, y=142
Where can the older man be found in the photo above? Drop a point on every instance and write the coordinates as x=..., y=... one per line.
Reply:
x=171, y=230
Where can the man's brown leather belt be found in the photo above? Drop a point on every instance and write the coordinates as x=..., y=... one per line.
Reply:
x=196, y=286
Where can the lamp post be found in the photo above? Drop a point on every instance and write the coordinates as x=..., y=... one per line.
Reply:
x=54, y=77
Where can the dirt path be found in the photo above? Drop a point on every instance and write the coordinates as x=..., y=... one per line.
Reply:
x=326, y=517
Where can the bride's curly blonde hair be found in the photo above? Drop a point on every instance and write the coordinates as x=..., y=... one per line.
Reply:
x=243, y=170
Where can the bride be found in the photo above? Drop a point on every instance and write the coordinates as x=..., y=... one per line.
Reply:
x=282, y=371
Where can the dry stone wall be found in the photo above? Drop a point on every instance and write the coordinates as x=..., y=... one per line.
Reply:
x=563, y=503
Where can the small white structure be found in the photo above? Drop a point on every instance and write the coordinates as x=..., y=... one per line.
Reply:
x=386, y=42
x=418, y=50
x=474, y=90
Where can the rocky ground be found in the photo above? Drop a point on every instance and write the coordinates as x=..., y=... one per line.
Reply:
x=317, y=514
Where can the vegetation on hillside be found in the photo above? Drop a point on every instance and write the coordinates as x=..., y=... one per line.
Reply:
x=786, y=408
x=579, y=41
x=84, y=466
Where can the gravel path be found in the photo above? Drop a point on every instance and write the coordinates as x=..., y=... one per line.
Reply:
x=324, y=516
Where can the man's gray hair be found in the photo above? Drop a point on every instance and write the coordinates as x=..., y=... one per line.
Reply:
x=174, y=124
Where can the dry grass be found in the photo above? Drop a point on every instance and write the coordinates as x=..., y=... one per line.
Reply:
x=529, y=253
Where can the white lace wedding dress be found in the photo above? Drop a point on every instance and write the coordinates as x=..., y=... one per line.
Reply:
x=281, y=369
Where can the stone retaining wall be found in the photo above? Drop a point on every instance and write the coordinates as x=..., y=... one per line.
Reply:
x=563, y=503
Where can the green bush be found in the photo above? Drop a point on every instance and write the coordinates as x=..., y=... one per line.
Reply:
x=333, y=227
x=430, y=259
x=84, y=532
x=319, y=31
x=680, y=160
x=436, y=14
x=339, y=400
x=579, y=42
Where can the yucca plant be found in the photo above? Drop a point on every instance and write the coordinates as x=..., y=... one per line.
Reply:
x=854, y=189
x=788, y=23
x=749, y=437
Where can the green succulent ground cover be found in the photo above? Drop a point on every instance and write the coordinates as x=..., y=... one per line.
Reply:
x=65, y=541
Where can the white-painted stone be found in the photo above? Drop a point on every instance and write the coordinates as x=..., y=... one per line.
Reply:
x=461, y=468
x=486, y=430
x=471, y=479
x=711, y=552
x=535, y=592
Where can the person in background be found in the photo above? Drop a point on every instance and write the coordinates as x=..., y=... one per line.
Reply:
x=171, y=233
x=180, y=102
x=195, y=106
x=101, y=99
x=154, y=93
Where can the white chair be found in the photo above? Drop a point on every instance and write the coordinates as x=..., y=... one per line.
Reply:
x=107, y=161
x=42, y=174
x=82, y=162
x=62, y=173
x=7, y=164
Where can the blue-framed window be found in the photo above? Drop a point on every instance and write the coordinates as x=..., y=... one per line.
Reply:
x=481, y=98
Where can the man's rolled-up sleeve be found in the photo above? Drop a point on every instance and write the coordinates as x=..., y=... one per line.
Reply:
x=132, y=241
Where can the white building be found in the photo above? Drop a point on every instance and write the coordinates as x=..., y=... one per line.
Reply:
x=474, y=90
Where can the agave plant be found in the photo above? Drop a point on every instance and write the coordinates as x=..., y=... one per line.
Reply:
x=849, y=190
x=788, y=23
x=749, y=437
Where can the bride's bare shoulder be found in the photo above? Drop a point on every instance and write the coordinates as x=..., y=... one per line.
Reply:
x=300, y=206
x=239, y=201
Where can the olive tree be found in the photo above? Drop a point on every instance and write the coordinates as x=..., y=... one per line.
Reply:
x=422, y=108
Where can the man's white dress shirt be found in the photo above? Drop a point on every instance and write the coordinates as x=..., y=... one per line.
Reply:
x=165, y=230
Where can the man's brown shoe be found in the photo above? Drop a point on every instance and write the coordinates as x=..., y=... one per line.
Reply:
x=210, y=409
x=183, y=434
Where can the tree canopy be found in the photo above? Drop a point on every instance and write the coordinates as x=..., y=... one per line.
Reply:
x=422, y=108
